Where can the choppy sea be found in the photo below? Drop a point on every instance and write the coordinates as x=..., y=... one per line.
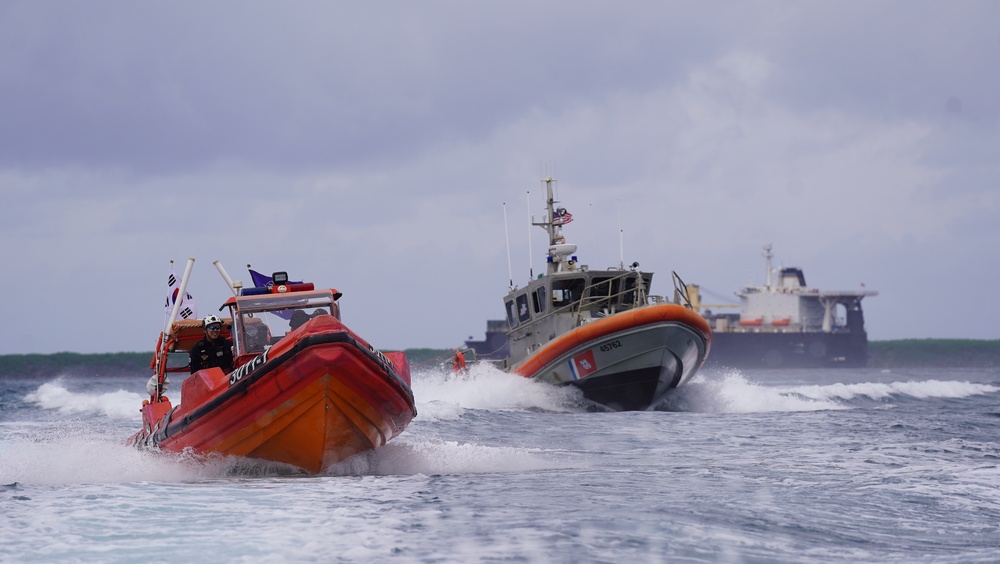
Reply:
x=846, y=465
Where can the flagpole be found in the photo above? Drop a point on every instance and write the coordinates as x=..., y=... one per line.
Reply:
x=165, y=318
x=162, y=332
x=182, y=292
x=225, y=276
x=165, y=335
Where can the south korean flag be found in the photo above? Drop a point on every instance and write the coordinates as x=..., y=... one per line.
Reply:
x=188, y=309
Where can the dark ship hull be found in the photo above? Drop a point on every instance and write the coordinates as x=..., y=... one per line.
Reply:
x=788, y=350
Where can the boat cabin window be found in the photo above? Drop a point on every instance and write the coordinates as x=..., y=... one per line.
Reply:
x=263, y=321
x=604, y=290
x=511, y=318
x=178, y=360
x=567, y=291
x=538, y=299
x=522, y=308
x=629, y=297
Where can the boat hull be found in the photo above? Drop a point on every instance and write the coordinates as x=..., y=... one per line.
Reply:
x=312, y=402
x=628, y=361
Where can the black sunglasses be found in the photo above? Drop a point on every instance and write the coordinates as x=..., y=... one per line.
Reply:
x=214, y=328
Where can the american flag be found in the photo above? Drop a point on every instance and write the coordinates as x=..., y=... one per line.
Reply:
x=561, y=217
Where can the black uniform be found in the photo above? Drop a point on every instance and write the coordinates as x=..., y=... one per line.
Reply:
x=206, y=354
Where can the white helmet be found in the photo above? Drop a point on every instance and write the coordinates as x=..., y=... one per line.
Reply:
x=210, y=319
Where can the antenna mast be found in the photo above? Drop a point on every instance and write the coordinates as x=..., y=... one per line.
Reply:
x=768, y=255
x=621, y=239
x=553, y=224
x=548, y=223
x=531, y=219
x=506, y=235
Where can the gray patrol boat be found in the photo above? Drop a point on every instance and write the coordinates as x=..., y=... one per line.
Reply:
x=600, y=330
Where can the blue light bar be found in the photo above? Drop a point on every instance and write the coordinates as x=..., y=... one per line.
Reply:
x=253, y=291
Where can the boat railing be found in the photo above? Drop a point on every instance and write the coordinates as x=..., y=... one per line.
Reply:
x=590, y=301
x=681, y=296
x=609, y=302
x=581, y=308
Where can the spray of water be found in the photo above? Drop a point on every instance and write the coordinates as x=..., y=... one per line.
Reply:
x=81, y=439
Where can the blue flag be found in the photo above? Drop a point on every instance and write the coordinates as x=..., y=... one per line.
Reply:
x=264, y=281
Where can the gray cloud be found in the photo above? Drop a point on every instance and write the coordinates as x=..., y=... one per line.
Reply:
x=372, y=149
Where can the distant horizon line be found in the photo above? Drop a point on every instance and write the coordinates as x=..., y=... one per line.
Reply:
x=949, y=339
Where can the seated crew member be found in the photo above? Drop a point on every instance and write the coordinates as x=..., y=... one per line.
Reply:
x=258, y=336
x=214, y=349
x=298, y=319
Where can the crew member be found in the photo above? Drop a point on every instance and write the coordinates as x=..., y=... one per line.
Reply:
x=458, y=362
x=214, y=349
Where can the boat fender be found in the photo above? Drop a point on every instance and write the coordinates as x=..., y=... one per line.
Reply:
x=151, y=385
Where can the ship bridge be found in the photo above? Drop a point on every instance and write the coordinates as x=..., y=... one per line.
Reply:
x=850, y=299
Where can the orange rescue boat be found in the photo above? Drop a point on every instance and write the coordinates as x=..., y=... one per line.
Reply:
x=306, y=390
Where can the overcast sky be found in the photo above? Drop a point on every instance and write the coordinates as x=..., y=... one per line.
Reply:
x=372, y=147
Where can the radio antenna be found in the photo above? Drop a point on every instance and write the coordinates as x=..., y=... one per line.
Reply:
x=506, y=235
x=531, y=219
x=621, y=239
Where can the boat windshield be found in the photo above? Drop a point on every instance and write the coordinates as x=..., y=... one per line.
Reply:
x=567, y=291
x=262, y=321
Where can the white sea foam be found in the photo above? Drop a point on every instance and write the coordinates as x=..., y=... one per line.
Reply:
x=61, y=455
x=120, y=404
x=414, y=455
x=733, y=393
x=444, y=395
x=90, y=459
x=881, y=391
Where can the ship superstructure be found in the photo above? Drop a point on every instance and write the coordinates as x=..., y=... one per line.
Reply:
x=787, y=323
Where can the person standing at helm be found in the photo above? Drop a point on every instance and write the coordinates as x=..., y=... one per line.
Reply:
x=214, y=349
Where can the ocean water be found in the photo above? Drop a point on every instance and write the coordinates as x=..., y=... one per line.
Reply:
x=839, y=465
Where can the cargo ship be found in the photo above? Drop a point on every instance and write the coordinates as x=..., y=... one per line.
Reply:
x=785, y=323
